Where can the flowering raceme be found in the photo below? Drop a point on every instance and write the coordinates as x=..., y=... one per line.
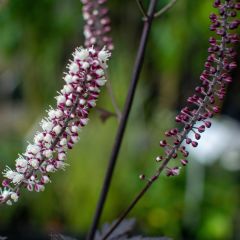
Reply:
x=60, y=129
x=214, y=81
x=97, y=24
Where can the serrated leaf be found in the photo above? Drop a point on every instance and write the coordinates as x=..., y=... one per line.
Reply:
x=60, y=237
x=3, y=238
x=148, y=238
x=120, y=232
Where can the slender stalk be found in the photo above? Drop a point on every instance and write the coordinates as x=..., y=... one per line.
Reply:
x=122, y=126
x=113, y=99
x=141, y=8
x=160, y=169
x=183, y=135
x=165, y=8
x=130, y=207
x=162, y=10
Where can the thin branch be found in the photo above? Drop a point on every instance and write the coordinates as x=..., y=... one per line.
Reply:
x=122, y=126
x=165, y=9
x=113, y=99
x=183, y=136
x=162, y=11
x=141, y=8
x=162, y=166
x=131, y=206
x=105, y=114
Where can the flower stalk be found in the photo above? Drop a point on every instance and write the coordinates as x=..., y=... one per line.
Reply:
x=214, y=81
x=60, y=130
x=122, y=126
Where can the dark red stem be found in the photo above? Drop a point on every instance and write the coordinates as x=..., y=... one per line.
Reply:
x=122, y=126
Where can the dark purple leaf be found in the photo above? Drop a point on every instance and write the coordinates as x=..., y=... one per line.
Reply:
x=120, y=233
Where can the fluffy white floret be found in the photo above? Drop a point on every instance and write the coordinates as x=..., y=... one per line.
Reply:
x=68, y=78
x=57, y=129
x=101, y=81
x=18, y=178
x=47, y=125
x=74, y=68
x=61, y=99
x=32, y=148
x=14, y=197
x=50, y=168
x=104, y=55
x=34, y=163
x=21, y=162
x=81, y=54
x=9, y=173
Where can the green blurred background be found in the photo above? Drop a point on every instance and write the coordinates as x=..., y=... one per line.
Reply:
x=36, y=41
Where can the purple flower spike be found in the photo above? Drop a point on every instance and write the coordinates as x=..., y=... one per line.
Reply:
x=97, y=24
x=214, y=80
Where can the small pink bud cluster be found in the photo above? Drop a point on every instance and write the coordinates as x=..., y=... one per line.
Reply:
x=97, y=24
x=214, y=80
x=60, y=129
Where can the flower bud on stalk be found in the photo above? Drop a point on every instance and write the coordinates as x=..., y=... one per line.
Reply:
x=214, y=81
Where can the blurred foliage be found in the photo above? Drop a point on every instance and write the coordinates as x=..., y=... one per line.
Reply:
x=36, y=40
